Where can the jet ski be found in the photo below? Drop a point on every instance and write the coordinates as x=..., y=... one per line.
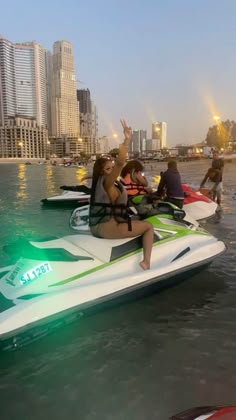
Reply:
x=79, y=219
x=199, y=205
x=73, y=196
x=53, y=279
x=196, y=204
x=207, y=412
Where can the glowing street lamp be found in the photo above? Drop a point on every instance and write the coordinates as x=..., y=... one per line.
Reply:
x=216, y=118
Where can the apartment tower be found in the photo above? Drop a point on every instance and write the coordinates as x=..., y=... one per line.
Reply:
x=159, y=133
x=64, y=105
x=88, y=121
x=23, y=81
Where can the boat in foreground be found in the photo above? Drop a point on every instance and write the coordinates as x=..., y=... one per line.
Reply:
x=54, y=278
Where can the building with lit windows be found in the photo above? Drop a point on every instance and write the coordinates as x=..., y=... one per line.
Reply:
x=22, y=137
x=159, y=133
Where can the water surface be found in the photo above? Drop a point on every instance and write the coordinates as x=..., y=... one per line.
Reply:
x=146, y=359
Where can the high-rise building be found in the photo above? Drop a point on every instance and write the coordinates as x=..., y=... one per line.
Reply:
x=88, y=121
x=23, y=88
x=143, y=140
x=138, y=141
x=83, y=96
x=8, y=107
x=64, y=104
x=159, y=133
x=49, y=89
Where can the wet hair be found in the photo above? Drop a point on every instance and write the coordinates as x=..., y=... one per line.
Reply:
x=97, y=172
x=172, y=164
x=131, y=166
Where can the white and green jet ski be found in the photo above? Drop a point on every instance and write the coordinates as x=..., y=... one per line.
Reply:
x=53, y=279
x=196, y=204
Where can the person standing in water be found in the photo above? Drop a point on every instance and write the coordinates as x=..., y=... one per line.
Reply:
x=218, y=165
x=109, y=217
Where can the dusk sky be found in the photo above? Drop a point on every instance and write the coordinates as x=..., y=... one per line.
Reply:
x=144, y=61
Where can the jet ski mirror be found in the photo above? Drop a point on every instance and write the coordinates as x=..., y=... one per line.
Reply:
x=179, y=214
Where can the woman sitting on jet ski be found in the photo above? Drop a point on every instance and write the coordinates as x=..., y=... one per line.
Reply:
x=133, y=179
x=109, y=216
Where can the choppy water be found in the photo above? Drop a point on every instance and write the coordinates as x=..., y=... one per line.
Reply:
x=143, y=360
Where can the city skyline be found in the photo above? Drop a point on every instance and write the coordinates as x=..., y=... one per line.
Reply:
x=149, y=62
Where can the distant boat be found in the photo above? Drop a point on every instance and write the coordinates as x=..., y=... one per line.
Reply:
x=28, y=163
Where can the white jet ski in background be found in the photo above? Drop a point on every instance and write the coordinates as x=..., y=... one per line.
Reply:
x=53, y=279
x=196, y=204
x=72, y=196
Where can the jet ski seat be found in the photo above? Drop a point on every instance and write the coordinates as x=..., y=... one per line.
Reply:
x=107, y=250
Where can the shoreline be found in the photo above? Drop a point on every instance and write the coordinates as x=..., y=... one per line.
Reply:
x=227, y=159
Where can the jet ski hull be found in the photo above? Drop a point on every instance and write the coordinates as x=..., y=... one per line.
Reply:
x=29, y=333
x=69, y=198
x=78, y=273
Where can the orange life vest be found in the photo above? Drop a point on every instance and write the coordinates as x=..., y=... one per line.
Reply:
x=131, y=187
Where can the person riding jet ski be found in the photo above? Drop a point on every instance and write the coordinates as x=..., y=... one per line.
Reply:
x=109, y=216
x=133, y=179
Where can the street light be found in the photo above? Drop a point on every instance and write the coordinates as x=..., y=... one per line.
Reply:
x=216, y=118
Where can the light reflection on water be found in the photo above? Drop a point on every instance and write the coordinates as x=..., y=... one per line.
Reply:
x=80, y=173
x=22, y=187
x=150, y=358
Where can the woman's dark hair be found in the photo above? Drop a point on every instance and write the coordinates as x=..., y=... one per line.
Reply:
x=97, y=172
x=132, y=166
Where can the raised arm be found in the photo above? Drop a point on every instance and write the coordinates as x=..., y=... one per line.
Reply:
x=123, y=148
x=120, y=160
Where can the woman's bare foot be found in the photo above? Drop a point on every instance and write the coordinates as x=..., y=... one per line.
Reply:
x=144, y=266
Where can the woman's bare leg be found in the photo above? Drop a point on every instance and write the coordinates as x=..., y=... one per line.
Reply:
x=147, y=248
x=114, y=230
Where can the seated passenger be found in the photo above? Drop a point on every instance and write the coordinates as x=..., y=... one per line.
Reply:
x=170, y=187
x=109, y=217
x=133, y=179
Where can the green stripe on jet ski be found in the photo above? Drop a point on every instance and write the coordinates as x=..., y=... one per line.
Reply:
x=180, y=232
